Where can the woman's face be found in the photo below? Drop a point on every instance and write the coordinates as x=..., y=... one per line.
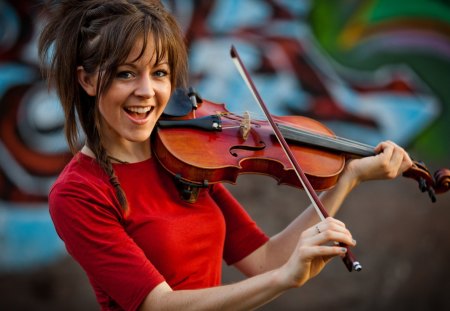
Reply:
x=135, y=100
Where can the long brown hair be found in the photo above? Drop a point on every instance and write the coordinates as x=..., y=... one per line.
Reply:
x=99, y=35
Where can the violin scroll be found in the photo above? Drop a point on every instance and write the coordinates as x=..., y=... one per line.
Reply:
x=433, y=184
x=442, y=180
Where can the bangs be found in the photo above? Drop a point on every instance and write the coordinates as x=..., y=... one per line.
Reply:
x=160, y=43
x=120, y=43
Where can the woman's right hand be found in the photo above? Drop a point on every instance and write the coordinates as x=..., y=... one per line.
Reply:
x=316, y=246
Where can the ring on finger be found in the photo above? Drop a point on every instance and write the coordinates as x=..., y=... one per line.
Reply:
x=317, y=229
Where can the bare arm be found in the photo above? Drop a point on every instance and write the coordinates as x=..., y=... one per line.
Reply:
x=291, y=257
x=308, y=258
x=390, y=162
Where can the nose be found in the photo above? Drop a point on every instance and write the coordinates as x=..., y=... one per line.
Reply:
x=144, y=87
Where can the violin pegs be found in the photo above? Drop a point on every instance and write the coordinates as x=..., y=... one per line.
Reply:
x=423, y=184
x=432, y=194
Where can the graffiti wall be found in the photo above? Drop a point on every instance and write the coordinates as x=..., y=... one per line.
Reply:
x=32, y=147
x=370, y=70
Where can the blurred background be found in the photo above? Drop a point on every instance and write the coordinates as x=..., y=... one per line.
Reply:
x=369, y=69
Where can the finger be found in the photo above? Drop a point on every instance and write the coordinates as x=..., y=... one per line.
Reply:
x=333, y=220
x=333, y=224
x=407, y=162
x=395, y=159
x=324, y=233
x=396, y=162
x=385, y=148
x=328, y=224
x=324, y=251
x=400, y=160
x=333, y=237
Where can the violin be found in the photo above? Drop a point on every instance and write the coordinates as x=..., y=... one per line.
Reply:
x=210, y=145
x=202, y=143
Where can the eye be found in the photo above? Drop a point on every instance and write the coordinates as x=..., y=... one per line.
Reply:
x=160, y=73
x=125, y=75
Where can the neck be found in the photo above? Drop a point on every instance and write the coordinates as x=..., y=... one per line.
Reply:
x=113, y=159
x=122, y=156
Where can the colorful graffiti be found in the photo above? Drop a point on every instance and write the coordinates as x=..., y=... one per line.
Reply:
x=373, y=35
x=364, y=68
x=32, y=148
x=297, y=75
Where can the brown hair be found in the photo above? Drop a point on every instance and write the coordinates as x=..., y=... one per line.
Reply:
x=99, y=35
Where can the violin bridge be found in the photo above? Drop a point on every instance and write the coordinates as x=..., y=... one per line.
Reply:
x=244, y=127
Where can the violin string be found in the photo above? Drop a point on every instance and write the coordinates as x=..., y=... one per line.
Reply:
x=259, y=117
x=228, y=127
x=334, y=142
x=314, y=137
x=319, y=135
x=349, y=142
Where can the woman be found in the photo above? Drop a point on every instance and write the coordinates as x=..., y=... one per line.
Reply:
x=114, y=64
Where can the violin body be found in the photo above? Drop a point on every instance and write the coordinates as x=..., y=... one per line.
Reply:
x=197, y=155
x=207, y=144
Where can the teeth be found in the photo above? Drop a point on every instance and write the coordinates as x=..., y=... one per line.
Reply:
x=139, y=109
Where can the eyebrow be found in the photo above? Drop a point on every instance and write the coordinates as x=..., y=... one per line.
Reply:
x=128, y=64
x=134, y=64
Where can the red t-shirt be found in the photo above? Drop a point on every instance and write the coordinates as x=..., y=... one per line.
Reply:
x=162, y=238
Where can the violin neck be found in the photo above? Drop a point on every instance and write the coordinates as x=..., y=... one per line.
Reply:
x=337, y=144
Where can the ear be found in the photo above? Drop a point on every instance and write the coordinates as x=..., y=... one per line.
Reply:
x=87, y=81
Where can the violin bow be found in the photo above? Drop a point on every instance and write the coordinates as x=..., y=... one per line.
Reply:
x=349, y=259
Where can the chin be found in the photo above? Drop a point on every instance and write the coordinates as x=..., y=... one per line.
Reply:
x=139, y=139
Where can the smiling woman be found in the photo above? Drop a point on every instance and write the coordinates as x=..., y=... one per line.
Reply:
x=110, y=56
x=134, y=101
x=114, y=65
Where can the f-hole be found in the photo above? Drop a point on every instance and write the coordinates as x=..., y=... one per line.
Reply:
x=261, y=146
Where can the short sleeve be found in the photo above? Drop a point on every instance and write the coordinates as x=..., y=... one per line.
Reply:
x=88, y=220
x=243, y=235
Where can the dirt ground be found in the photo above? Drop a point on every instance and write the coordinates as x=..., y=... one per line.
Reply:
x=403, y=245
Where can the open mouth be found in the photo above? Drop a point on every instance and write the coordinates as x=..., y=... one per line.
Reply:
x=138, y=113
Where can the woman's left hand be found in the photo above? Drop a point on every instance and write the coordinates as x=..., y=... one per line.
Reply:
x=390, y=162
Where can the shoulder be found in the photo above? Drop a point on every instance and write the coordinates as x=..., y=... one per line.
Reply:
x=81, y=186
x=82, y=171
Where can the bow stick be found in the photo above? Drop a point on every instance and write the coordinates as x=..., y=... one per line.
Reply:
x=349, y=260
